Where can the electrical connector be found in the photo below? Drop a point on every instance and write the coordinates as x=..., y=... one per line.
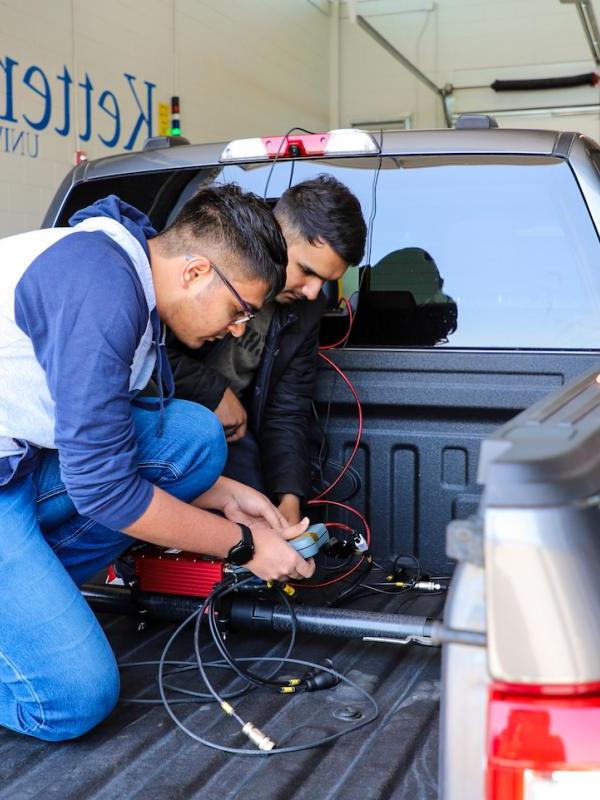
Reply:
x=323, y=680
x=360, y=543
x=285, y=587
x=428, y=586
x=257, y=737
x=316, y=679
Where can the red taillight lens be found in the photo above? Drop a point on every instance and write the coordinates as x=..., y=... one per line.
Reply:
x=543, y=743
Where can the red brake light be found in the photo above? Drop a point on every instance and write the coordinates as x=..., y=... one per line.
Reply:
x=330, y=143
x=309, y=144
x=543, y=742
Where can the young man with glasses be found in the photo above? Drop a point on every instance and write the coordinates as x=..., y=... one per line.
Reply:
x=85, y=465
x=260, y=380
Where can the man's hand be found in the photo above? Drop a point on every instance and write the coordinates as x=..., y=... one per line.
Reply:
x=289, y=506
x=232, y=416
x=240, y=503
x=275, y=559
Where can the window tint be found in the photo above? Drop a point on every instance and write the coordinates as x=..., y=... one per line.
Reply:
x=480, y=252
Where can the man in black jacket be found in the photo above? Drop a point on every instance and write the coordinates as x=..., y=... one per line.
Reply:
x=260, y=380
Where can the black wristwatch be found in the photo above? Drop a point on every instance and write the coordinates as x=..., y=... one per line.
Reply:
x=243, y=551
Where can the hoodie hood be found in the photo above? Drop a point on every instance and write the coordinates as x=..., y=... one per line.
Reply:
x=129, y=217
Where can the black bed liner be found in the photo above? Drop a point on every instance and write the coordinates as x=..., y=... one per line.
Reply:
x=138, y=752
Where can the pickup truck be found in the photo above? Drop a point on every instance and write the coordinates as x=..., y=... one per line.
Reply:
x=479, y=456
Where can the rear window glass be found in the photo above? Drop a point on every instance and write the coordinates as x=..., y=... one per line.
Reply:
x=477, y=252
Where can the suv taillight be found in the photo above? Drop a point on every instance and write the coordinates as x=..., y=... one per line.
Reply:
x=543, y=743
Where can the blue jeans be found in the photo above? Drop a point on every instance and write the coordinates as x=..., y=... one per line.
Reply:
x=243, y=463
x=58, y=675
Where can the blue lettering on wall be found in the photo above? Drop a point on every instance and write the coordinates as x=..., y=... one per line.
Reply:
x=44, y=92
x=57, y=99
x=23, y=143
x=88, y=88
x=114, y=113
x=142, y=118
x=66, y=79
x=7, y=68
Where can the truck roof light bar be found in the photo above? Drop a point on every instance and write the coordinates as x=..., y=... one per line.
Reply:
x=345, y=141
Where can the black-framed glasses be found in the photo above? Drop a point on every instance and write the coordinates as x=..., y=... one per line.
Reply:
x=248, y=312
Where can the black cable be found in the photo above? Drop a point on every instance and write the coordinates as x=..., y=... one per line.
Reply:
x=258, y=680
x=276, y=158
x=198, y=613
x=374, y=202
x=355, y=582
x=370, y=227
x=415, y=561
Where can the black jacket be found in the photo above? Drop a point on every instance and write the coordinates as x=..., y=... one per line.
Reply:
x=278, y=401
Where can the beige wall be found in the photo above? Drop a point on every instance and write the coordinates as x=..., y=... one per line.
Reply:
x=465, y=42
x=240, y=68
x=252, y=67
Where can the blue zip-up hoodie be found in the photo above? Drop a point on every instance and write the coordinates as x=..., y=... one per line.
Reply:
x=79, y=334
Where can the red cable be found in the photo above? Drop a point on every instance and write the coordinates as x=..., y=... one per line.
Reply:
x=338, y=578
x=359, y=432
x=318, y=500
x=344, y=339
x=339, y=525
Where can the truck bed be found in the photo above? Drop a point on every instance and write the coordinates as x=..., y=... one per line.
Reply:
x=138, y=752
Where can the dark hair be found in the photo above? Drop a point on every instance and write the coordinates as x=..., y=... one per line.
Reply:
x=323, y=208
x=239, y=222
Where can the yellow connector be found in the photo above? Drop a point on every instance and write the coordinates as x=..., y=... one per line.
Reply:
x=289, y=590
x=287, y=690
x=227, y=708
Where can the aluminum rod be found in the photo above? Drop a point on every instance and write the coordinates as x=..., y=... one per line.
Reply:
x=590, y=26
x=389, y=48
x=589, y=23
x=582, y=108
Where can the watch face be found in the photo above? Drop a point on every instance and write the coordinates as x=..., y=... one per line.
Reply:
x=243, y=551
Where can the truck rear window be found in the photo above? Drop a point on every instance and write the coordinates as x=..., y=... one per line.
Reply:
x=465, y=251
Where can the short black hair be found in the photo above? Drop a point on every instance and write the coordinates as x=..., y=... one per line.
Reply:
x=323, y=208
x=239, y=222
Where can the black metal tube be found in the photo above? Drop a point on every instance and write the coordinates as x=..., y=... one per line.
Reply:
x=121, y=600
x=250, y=612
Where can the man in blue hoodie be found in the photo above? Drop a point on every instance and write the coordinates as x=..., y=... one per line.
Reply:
x=84, y=465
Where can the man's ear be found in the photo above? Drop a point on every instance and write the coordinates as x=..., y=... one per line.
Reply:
x=194, y=272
